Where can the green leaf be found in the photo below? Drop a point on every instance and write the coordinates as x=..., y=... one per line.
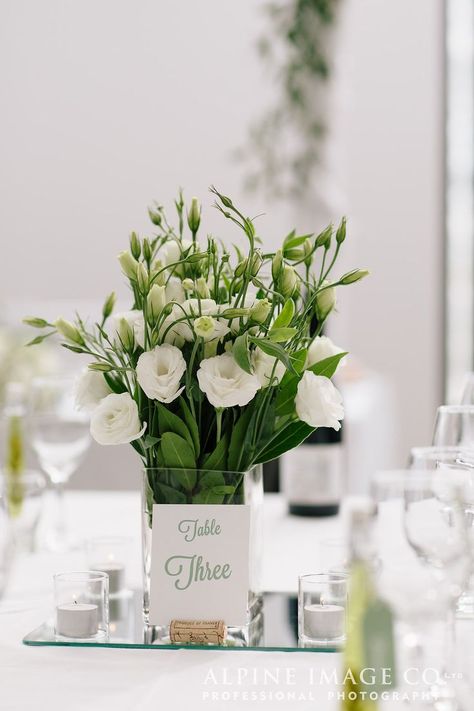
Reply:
x=293, y=240
x=327, y=366
x=288, y=437
x=298, y=358
x=68, y=346
x=241, y=354
x=275, y=350
x=115, y=385
x=169, y=422
x=285, y=399
x=192, y=425
x=215, y=495
x=217, y=458
x=285, y=315
x=209, y=480
x=236, y=451
x=289, y=237
x=279, y=335
x=293, y=244
x=168, y=495
x=179, y=454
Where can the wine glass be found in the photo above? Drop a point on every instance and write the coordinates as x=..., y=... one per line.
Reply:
x=431, y=458
x=454, y=428
x=410, y=588
x=436, y=528
x=60, y=437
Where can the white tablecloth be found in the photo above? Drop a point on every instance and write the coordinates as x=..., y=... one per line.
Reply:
x=79, y=679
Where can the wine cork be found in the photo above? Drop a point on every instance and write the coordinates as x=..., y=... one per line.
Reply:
x=198, y=631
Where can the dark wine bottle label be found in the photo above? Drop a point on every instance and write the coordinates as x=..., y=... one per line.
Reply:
x=312, y=476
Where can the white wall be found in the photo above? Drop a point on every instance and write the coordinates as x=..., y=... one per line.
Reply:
x=107, y=104
x=390, y=169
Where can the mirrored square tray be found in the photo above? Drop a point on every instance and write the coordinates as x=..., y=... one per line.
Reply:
x=276, y=629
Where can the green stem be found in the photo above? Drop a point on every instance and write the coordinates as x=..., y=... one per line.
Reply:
x=219, y=412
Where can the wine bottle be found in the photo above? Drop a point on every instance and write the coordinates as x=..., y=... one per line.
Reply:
x=313, y=474
x=369, y=623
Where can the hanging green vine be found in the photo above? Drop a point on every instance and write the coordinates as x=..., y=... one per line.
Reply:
x=283, y=146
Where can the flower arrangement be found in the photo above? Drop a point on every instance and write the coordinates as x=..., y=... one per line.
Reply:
x=220, y=364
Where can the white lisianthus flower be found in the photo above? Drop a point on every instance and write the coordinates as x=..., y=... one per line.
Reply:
x=269, y=370
x=209, y=328
x=136, y=322
x=116, y=421
x=182, y=328
x=175, y=290
x=322, y=347
x=318, y=402
x=159, y=372
x=89, y=389
x=224, y=383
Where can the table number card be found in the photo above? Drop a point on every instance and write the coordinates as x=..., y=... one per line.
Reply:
x=199, y=563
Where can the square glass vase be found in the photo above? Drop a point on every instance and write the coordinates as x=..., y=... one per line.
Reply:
x=189, y=487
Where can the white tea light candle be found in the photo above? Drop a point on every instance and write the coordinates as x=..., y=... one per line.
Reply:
x=324, y=622
x=79, y=620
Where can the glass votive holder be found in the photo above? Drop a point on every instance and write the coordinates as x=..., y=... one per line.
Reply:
x=81, y=605
x=23, y=498
x=322, y=601
x=109, y=554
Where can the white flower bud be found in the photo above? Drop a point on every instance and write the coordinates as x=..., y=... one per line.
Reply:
x=353, y=276
x=135, y=246
x=288, y=281
x=142, y=278
x=69, y=331
x=108, y=306
x=277, y=264
x=156, y=300
x=194, y=215
x=188, y=284
x=156, y=269
x=125, y=334
x=202, y=288
x=325, y=302
x=260, y=310
x=129, y=265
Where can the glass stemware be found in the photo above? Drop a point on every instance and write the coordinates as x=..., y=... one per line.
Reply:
x=431, y=458
x=23, y=499
x=436, y=528
x=60, y=437
x=424, y=550
x=454, y=427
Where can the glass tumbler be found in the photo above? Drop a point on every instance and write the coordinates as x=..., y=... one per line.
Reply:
x=322, y=601
x=81, y=605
